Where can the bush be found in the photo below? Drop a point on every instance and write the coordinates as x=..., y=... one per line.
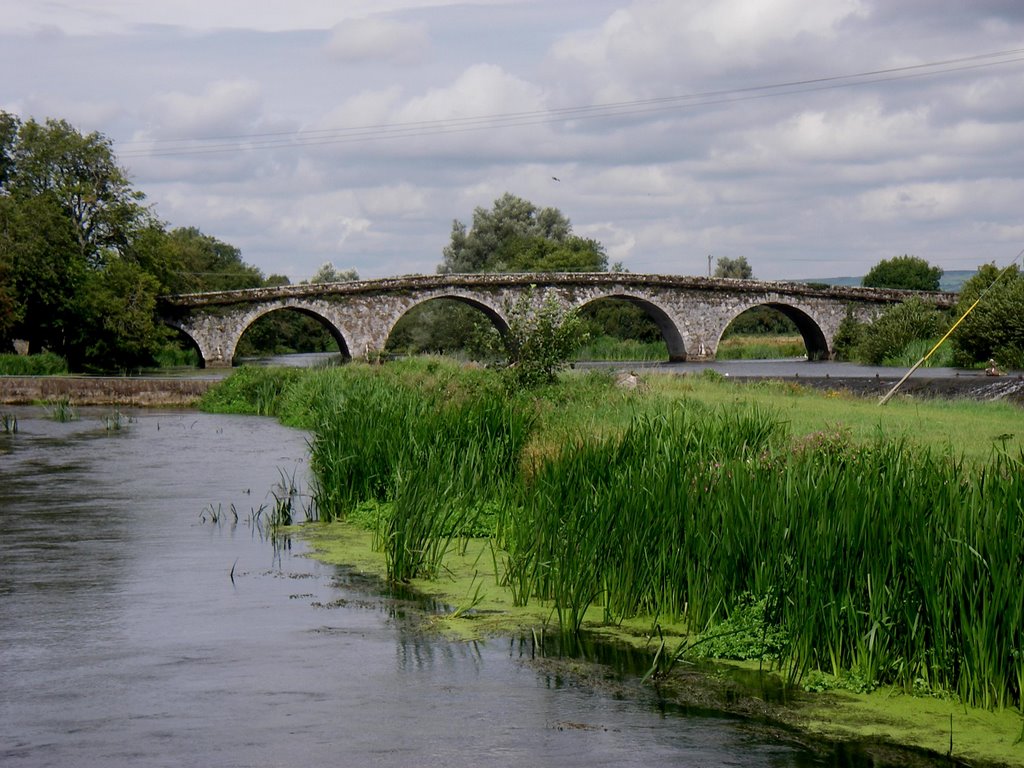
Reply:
x=995, y=328
x=251, y=390
x=849, y=337
x=896, y=328
x=540, y=341
x=45, y=364
x=904, y=272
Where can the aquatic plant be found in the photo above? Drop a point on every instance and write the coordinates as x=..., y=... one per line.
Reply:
x=287, y=501
x=897, y=565
x=60, y=409
x=115, y=421
x=438, y=463
x=875, y=561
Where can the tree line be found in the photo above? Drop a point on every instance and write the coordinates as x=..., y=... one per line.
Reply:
x=83, y=259
x=991, y=331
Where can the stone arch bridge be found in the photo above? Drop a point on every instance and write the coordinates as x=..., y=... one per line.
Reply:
x=692, y=312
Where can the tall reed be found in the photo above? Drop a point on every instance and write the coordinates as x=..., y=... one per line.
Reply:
x=439, y=462
x=900, y=566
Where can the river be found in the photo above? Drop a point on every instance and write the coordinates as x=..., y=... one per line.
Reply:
x=137, y=630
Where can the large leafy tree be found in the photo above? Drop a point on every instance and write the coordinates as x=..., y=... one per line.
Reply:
x=44, y=271
x=80, y=173
x=184, y=260
x=82, y=260
x=68, y=215
x=995, y=327
x=737, y=268
x=328, y=273
x=514, y=235
x=903, y=272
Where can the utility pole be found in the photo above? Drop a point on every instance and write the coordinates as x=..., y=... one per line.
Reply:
x=709, y=265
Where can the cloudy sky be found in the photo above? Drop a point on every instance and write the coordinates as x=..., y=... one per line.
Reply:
x=814, y=138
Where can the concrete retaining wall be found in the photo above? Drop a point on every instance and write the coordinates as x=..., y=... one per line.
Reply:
x=100, y=390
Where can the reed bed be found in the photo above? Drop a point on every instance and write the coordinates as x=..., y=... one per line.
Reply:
x=898, y=564
x=442, y=464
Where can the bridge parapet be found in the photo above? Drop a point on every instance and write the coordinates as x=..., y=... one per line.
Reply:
x=544, y=279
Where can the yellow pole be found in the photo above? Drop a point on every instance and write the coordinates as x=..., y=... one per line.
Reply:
x=921, y=362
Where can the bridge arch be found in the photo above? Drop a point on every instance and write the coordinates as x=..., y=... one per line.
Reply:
x=249, y=319
x=217, y=334
x=816, y=342
x=490, y=309
x=670, y=332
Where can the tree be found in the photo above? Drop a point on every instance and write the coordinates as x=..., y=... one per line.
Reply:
x=328, y=273
x=185, y=260
x=737, y=268
x=995, y=327
x=896, y=327
x=905, y=273
x=539, y=254
x=117, y=326
x=502, y=238
x=44, y=271
x=513, y=236
x=541, y=339
x=82, y=175
x=9, y=126
x=82, y=261
x=9, y=309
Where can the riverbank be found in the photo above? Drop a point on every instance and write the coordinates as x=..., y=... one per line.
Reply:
x=468, y=604
x=967, y=387
x=104, y=390
x=178, y=391
x=854, y=548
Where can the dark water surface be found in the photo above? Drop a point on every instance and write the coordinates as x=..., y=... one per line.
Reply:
x=124, y=641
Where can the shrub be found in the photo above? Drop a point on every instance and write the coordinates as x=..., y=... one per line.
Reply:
x=540, y=340
x=898, y=326
x=995, y=328
x=45, y=364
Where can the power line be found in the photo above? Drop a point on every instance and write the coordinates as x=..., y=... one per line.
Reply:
x=621, y=109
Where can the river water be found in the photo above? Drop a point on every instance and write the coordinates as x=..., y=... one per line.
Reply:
x=137, y=630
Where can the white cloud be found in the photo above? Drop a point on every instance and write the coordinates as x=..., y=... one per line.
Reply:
x=808, y=184
x=657, y=46
x=483, y=89
x=117, y=16
x=378, y=39
x=224, y=107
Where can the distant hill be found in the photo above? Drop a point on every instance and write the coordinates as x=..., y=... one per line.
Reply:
x=951, y=280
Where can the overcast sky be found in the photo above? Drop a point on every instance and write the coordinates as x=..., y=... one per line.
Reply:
x=812, y=137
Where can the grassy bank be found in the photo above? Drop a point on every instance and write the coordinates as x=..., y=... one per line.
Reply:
x=46, y=364
x=760, y=347
x=736, y=347
x=842, y=544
